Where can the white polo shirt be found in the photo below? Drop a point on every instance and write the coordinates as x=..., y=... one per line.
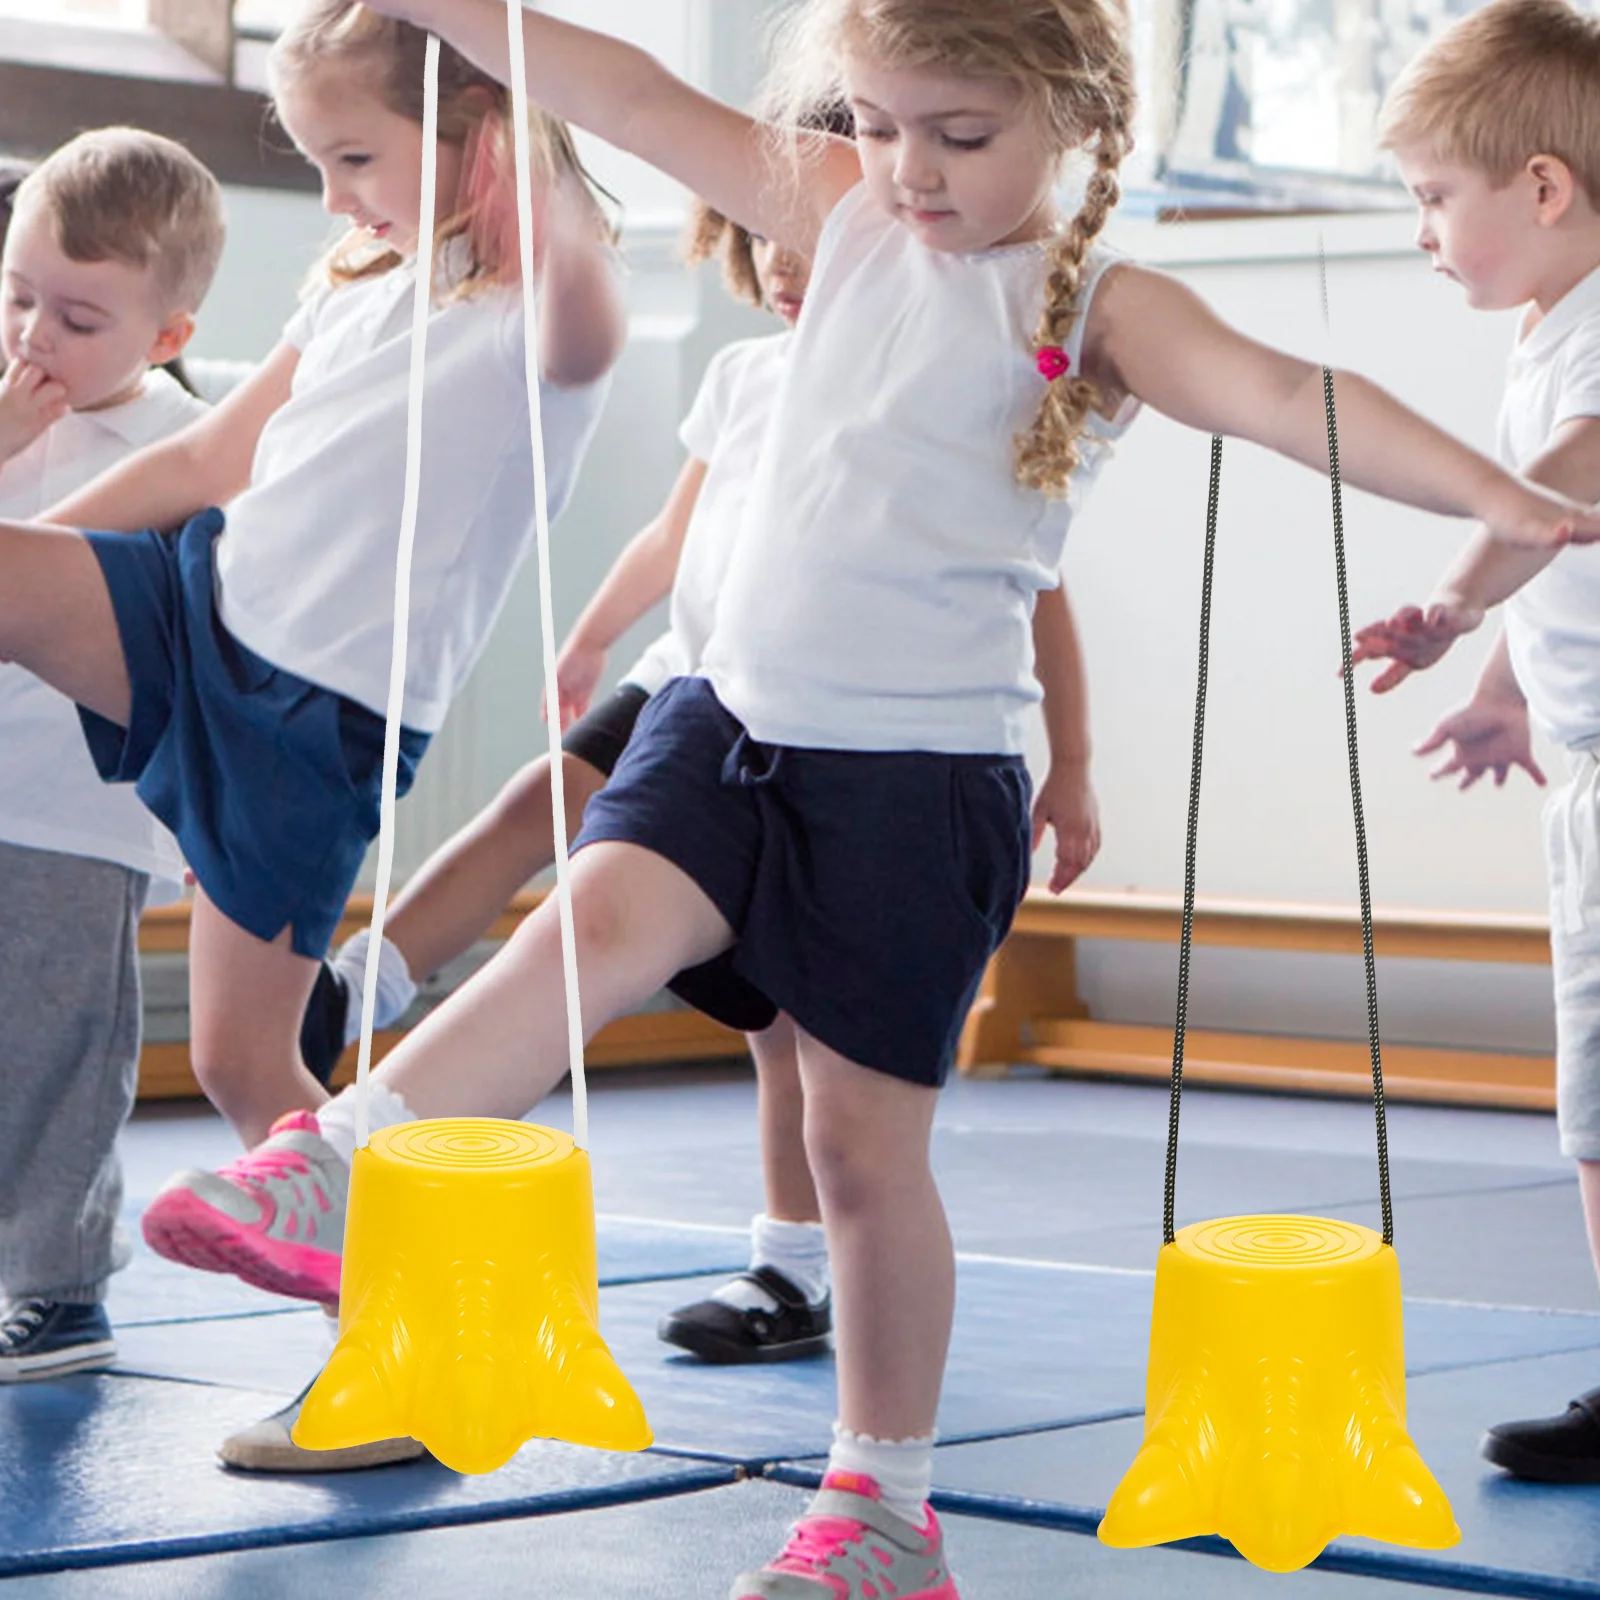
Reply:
x=1553, y=623
x=51, y=797
x=306, y=563
x=884, y=597
x=724, y=429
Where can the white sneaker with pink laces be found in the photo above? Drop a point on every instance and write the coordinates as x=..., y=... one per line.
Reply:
x=274, y=1217
x=850, y=1546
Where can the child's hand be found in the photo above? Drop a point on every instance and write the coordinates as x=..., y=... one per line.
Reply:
x=579, y=669
x=30, y=403
x=1535, y=518
x=1489, y=736
x=1066, y=802
x=1412, y=640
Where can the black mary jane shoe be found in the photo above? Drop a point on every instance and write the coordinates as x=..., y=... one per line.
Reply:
x=718, y=1332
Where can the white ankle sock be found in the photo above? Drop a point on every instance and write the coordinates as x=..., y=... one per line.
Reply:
x=799, y=1250
x=396, y=989
x=902, y=1468
x=337, y=1119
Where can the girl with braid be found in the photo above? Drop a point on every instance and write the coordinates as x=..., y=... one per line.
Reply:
x=834, y=810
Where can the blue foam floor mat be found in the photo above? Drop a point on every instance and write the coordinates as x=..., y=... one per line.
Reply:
x=1033, y=1346
x=1521, y=1539
x=97, y=1470
x=631, y=1250
x=685, y=1548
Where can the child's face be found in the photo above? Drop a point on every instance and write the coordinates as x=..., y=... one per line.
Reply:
x=783, y=276
x=1482, y=237
x=961, y=162
x=94, y=327
x=369, y=157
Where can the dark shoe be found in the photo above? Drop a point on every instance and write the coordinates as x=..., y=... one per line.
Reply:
x=322, y=1027
x=48, y=1339
x=1564, y=1449
x=268, y=1446
x=718, y=1332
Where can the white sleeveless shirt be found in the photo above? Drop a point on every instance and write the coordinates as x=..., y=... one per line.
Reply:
x=881, y=596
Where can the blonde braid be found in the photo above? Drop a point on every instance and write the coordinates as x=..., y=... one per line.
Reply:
x=1047, y=454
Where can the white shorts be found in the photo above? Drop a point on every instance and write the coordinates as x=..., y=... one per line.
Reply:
x=1572, y=854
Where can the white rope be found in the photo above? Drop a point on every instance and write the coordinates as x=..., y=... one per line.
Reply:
x=530, y=330
x=402, y=572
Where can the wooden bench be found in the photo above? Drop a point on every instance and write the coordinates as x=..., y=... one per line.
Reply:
x=651, y=1036
x=1029, y=1009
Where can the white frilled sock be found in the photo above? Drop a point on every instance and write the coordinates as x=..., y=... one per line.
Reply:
x=799, y=1250
x=901, y=1468
x=337, y=1119
x=396, y=989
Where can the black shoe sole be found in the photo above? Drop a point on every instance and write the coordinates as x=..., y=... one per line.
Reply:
x=729, y=1352
x=1535, y=1466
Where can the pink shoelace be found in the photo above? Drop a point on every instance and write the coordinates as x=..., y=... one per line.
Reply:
x=815, y=1541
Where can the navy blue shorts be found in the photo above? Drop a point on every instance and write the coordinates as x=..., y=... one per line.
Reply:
x=271, y=784
x=867, y=891
x=602, y=733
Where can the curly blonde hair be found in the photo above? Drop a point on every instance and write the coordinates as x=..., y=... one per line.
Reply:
x=386, y=56
x=1071, y=62
x=710, y=235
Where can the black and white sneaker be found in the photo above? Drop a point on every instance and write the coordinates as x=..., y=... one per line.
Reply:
x=322, y=1027
x=48, y=1338
x=788, y=1328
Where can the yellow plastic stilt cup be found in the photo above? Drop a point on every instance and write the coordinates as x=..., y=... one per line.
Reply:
x=1275, y=1401
x=469, y=1301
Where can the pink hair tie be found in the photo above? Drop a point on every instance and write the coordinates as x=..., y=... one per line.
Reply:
x=1053, y=362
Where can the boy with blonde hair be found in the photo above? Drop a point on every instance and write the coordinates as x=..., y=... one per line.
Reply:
x=1496, y=130
x=109, y=247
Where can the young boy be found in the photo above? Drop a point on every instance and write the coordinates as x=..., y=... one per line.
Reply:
x=111, y=246
x=1496, y=130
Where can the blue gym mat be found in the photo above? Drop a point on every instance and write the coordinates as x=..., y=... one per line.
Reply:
x=106, y=1470
x=685, y=1548
x=1033, y=1347
x=631, y=1250
x=1517, y=1538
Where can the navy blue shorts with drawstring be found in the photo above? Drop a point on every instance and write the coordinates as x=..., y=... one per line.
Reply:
x=270, y=783
x=866, y=890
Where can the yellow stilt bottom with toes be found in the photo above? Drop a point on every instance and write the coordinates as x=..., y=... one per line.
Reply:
x=1275, y=1403
x=469, y=1300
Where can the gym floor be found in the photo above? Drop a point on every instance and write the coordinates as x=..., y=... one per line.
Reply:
x=109, y=1486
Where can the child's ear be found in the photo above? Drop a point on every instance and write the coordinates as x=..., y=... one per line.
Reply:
x=173, y=338
x=1555, y=187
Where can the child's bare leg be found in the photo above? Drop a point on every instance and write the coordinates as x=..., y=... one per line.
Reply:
x=892, y=1258
x=791, y=1192
x=498, y=1045
x=246, y=998
x=56, y=618
x=455, y=896
x=1589, y=1188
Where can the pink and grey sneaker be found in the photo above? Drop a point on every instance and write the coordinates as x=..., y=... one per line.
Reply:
x=850, y=1546
x=274, y=1217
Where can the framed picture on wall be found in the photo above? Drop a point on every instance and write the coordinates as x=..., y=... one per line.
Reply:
x=1276, y=101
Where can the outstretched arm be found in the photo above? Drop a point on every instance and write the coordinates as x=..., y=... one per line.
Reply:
x=1066, y=799
x=639, y=578
x=1485, y=573
x=629, y=99
x=206, y=464
x=1165, y=345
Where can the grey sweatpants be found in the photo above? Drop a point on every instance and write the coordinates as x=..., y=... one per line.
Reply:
x=69, y=1063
